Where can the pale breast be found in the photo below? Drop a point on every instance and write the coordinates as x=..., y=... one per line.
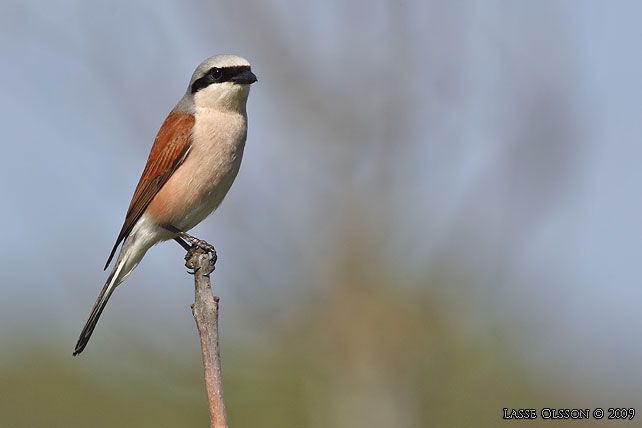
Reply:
x=199, y=185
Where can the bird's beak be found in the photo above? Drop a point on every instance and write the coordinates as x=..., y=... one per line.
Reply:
x=244, y=78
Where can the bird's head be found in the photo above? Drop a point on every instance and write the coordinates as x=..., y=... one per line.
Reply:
x=221, y=82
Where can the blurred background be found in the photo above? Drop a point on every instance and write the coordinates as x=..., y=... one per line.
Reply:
x=437, y=215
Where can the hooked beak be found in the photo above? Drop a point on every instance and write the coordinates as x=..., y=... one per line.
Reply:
x=244, y=78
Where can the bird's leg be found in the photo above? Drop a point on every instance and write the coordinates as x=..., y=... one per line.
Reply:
x=178, y=239
x=191, y=244
x=197, y=243
x=182, y=243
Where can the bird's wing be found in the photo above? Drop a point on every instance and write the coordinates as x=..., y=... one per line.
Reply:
x=168, y=152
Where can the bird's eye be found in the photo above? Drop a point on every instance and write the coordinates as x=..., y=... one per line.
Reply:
x=216, y=73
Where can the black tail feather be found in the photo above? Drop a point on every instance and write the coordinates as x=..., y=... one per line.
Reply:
x=100, y=304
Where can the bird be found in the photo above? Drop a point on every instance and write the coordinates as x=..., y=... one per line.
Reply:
x=195, y=157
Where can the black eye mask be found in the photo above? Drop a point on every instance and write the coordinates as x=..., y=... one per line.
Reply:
x=239, y=74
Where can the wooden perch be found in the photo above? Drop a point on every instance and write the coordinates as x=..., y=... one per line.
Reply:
x=201, y=259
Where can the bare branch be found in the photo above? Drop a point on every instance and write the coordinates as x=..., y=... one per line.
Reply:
x=205, y=311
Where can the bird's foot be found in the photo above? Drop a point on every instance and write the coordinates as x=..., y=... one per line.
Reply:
x=194, y=247
x=197, y=246
x=195, y=242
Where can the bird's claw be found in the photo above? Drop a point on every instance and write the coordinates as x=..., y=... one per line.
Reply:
x=199, y=243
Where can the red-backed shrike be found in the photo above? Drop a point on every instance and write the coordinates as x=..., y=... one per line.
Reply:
x=193, y=162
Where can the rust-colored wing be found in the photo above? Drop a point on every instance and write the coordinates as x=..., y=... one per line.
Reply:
x=169, y=151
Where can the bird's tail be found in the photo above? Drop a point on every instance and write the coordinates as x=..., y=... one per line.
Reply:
x=115, y=277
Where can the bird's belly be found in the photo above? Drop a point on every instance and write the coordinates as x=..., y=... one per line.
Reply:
x=210, y=188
